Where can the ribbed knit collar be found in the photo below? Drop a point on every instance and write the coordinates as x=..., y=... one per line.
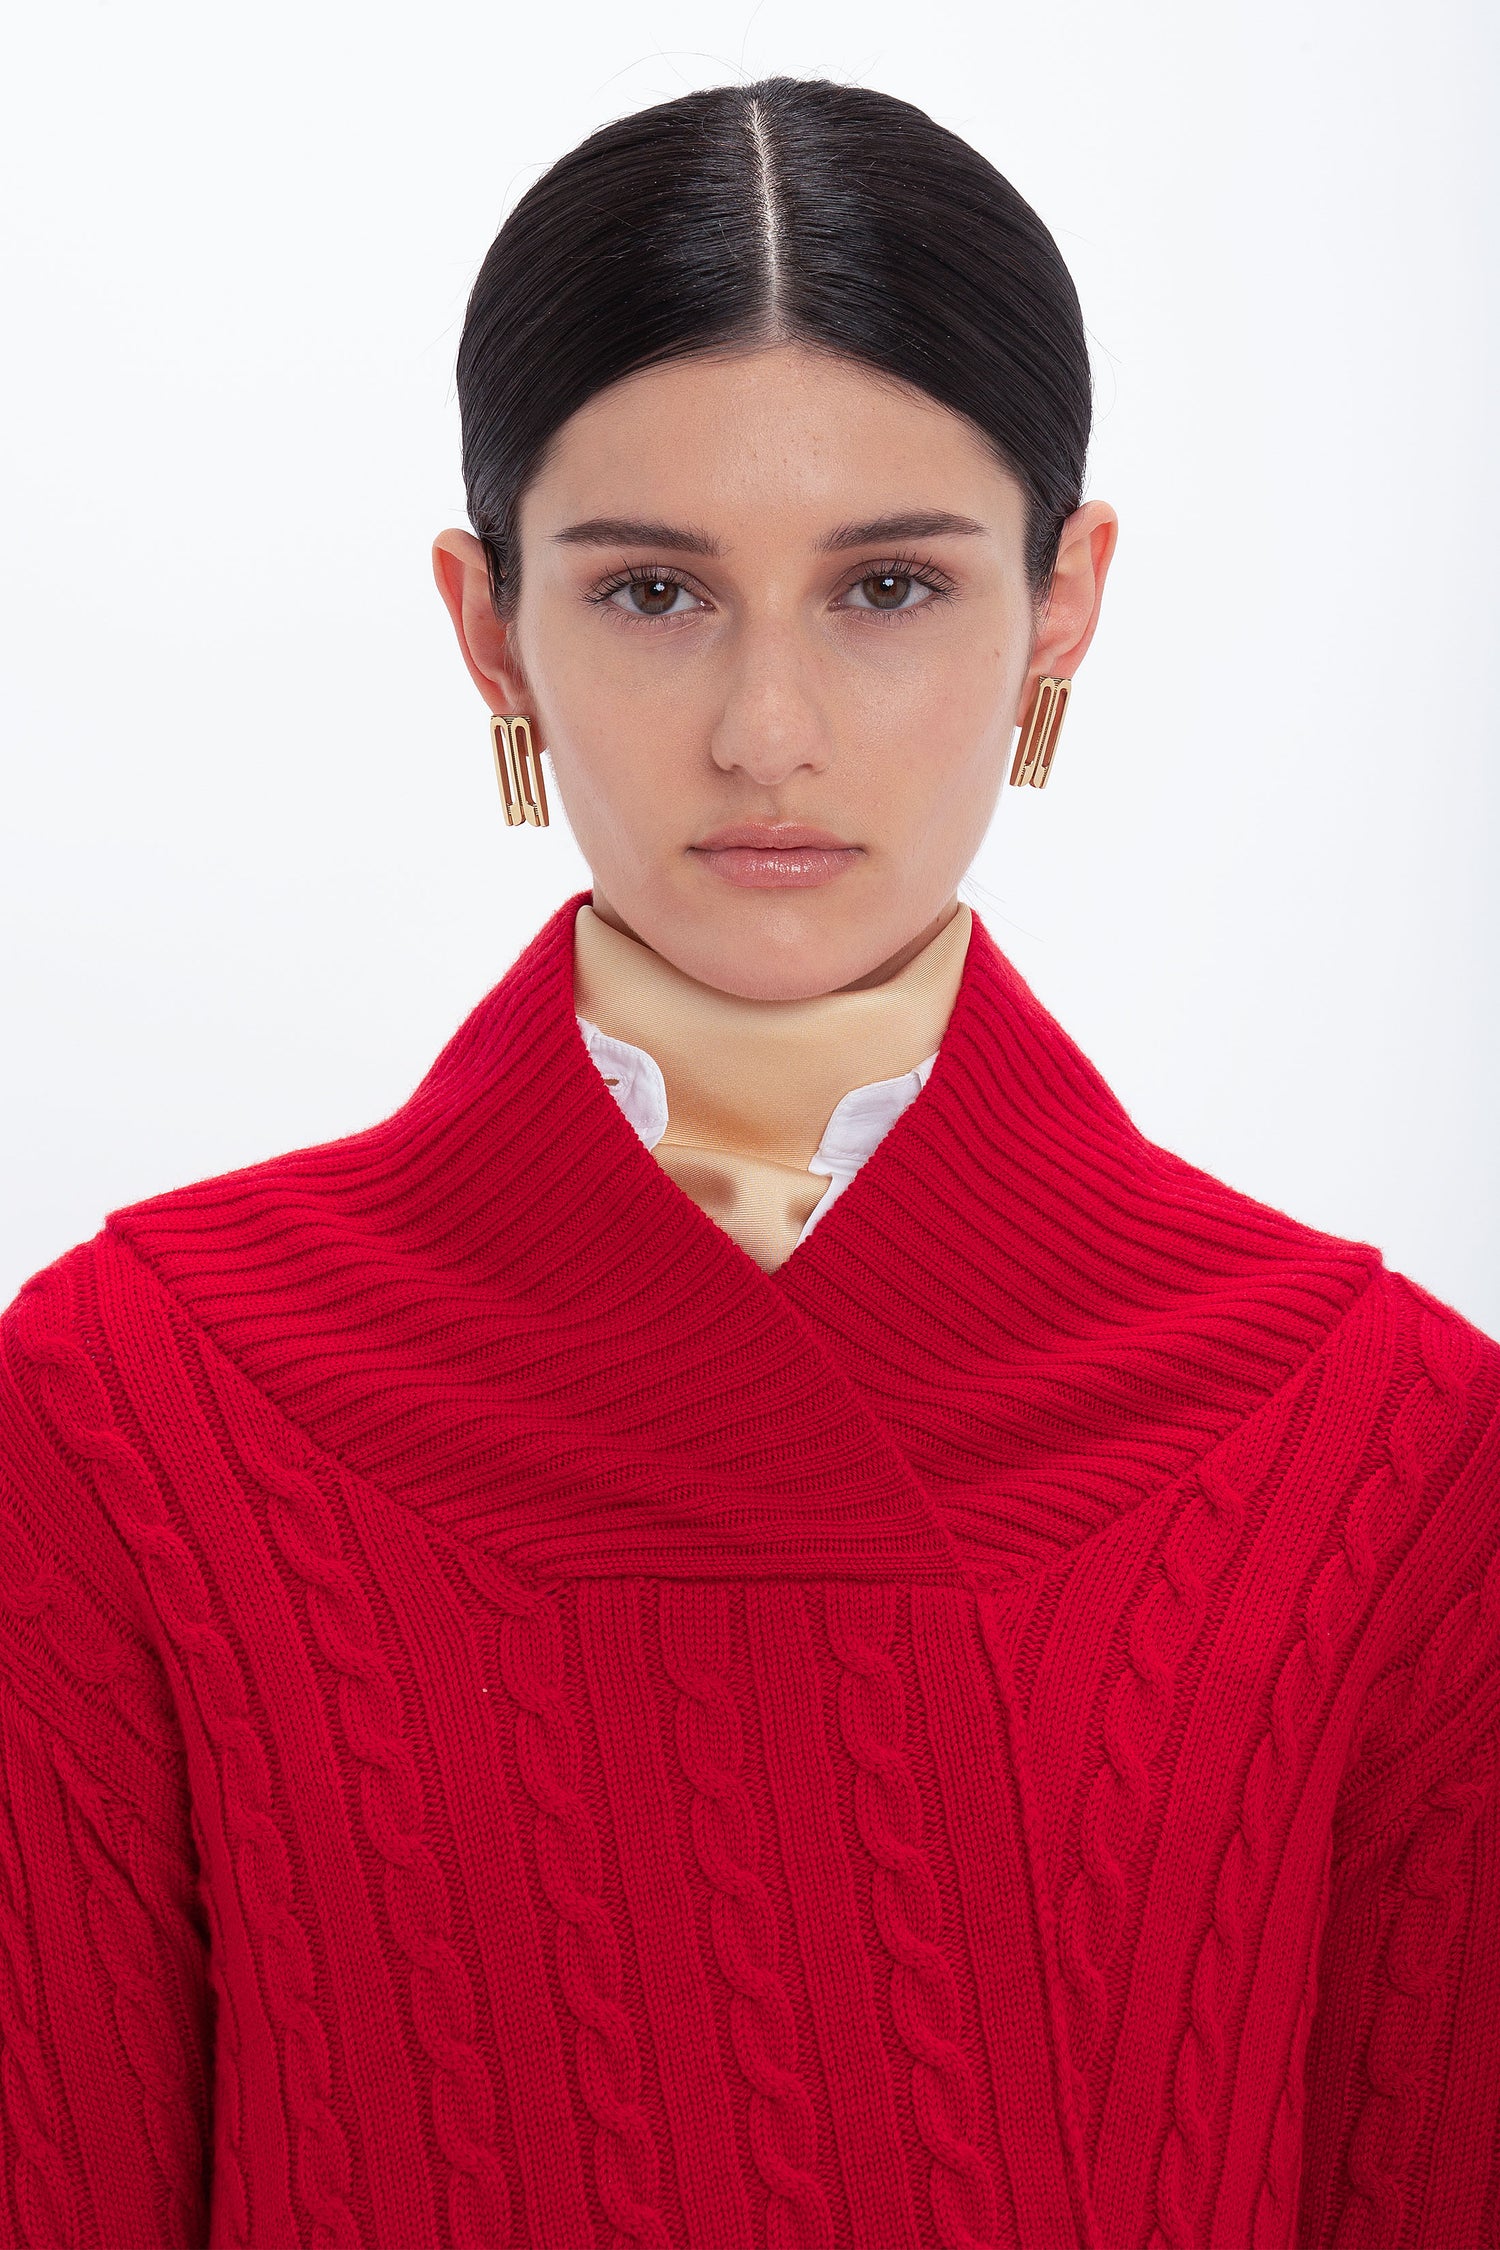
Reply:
x=1021, y=1319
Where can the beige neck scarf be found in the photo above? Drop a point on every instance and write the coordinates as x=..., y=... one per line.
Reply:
x=752, y=1084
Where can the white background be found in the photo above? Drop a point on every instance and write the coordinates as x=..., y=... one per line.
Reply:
x=254, y=871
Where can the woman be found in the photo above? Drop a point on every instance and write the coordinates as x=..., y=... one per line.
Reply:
x=752, y=1622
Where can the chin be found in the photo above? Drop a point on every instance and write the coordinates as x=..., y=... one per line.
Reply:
x=782, y=947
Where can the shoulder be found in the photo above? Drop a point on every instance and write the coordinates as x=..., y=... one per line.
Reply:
x=1407, y=1394
x=1421, y=1540
x=1417, y=1379
x=1447, y=1411
x=1431, y=1380
x=1446, y=1340
x=83, y=1337
x=81, y=1499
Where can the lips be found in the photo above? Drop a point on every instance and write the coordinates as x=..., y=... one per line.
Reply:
x=774, y=856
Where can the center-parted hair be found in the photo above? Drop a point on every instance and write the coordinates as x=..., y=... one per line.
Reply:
x=792, y=210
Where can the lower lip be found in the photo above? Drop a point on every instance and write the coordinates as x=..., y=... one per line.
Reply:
x=797, y=868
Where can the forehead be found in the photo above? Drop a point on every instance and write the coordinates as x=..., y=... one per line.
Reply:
x=779, y=435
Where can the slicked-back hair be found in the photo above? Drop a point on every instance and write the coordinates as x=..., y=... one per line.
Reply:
x=791, y=210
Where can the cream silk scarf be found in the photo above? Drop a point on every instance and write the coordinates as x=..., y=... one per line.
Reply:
x=752, y=1084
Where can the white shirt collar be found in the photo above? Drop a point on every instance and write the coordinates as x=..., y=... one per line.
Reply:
x=856, y=1128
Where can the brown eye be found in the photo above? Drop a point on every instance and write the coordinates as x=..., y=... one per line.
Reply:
x=653, y=597
x=889, y=590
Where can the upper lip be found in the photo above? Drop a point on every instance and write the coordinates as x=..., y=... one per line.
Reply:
x=765, y=836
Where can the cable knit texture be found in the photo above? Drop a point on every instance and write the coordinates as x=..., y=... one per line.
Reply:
x=520, y=1728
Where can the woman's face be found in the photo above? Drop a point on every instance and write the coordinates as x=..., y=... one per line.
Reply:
x=775, y=631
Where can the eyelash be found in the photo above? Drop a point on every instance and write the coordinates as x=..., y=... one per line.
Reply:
x=916, y=568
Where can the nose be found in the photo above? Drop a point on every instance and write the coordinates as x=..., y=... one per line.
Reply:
x=774, y=722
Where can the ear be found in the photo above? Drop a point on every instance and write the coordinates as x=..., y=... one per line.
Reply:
x=1071, y=611
x=463, y=580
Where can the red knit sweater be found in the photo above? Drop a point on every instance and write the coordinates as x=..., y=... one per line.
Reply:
x=517, y=1727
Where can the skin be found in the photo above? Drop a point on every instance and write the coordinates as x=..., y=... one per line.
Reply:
x=772, y=680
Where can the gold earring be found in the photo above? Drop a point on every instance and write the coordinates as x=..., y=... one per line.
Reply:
x=1039, y=734
x=518, y=769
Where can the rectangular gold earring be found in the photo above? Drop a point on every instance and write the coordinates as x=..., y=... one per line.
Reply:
x=1039, y=735
x=518, y=769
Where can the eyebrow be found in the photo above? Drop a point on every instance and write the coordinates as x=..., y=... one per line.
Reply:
x=907, y=523
x=634, y=531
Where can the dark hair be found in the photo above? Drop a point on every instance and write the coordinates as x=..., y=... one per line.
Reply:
x=792, y=210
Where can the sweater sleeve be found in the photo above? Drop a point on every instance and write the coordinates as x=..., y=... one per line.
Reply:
x=1402, y=2086
x=1403, y=2067
x=105, y=2001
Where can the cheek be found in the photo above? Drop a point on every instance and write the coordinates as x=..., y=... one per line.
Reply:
x=607, y=776
x=943, y=723
x=599, y=694
x=609, y=755
x=948, y=677
x=946, y=765
x=586, y=722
